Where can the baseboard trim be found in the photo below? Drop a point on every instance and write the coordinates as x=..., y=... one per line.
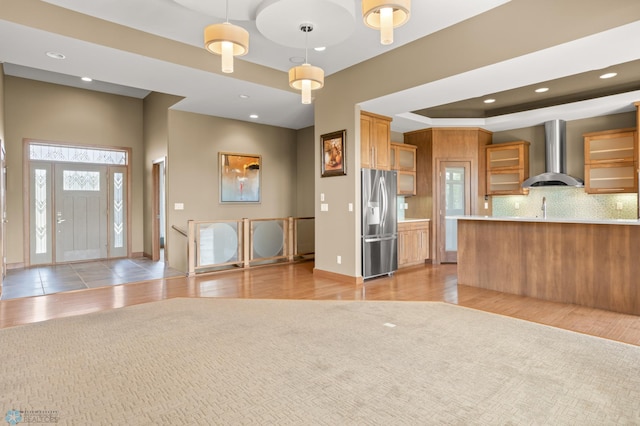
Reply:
x=138, y=254
x=19, y=265
x=337, y=277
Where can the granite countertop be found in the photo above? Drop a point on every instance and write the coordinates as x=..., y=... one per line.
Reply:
x=550, y=220
x=406, y=220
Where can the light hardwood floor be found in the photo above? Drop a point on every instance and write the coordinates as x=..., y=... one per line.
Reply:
x=296, y=281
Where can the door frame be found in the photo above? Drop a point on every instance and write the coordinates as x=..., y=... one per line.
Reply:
x=26, y=190
x=440, y=255
x=157, y=166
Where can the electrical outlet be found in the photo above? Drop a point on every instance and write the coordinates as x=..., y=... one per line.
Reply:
x=516, y=206
x=324, y=207
x=619, y=205
x=350, y=207
x=339, y=260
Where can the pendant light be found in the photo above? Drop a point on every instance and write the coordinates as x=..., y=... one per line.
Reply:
x=227, y=40
x=306, y=77
x=385, y=15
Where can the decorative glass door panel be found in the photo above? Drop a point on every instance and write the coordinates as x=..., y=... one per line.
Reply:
x=80, y=212
x=456, y=201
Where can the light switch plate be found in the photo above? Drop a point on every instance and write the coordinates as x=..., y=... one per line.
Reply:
x=324, y=207
x=178, y=206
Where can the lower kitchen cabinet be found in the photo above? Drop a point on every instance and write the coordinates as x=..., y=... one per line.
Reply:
x=413, y=242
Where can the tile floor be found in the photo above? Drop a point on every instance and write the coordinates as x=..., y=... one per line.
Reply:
x=38, y=281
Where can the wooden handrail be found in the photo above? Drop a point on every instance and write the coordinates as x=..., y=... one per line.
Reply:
x=180, y=231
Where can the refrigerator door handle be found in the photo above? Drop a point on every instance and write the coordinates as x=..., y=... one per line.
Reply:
x=375, y=240
x=383, y=192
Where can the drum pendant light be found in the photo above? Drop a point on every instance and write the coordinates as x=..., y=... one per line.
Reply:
x=227, y=40
x=385, y=15
x=306, y=77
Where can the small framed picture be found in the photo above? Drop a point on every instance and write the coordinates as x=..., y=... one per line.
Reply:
x=332, y=154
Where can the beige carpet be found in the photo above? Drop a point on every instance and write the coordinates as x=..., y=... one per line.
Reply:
x=264, y=362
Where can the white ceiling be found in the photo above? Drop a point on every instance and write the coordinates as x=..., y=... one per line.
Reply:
x=22, y=49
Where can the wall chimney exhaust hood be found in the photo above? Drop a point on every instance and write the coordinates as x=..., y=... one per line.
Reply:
x=555, y=159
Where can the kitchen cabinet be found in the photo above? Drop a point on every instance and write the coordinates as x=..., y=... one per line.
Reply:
x=413, y=242
x=611, y=161
x=375, y=141
x=507, y=168
x=403, y=160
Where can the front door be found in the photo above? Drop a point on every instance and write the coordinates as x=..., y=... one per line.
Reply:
x=455, y=200
x=77, y=204
x=81, y=212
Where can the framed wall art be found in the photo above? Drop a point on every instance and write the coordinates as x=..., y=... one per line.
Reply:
x=239, y=178
x=332, y=154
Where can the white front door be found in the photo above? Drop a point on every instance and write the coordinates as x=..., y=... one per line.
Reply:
x=77, y=210
x=80, y=212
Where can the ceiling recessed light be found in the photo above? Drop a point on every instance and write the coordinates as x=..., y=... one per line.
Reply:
x=296, y=60
x=87, y=79
x=489, y=101
x=320, y=48
x=254, y=116
x=243, y=96
x=609, y=75
x=55, y=55
x=542, y=90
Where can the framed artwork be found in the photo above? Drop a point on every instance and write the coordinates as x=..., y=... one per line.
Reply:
x=239, y=178
x=332, y=154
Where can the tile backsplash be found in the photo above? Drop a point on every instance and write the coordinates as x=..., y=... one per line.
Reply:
x=400, y=205
x=567, y=202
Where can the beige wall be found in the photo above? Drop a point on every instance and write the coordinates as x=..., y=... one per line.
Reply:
x=156, y=145
x=1, y=101
x=575, y=142
x=192, y=173
x=49, y=112
x=2, y=226
x=305, y=173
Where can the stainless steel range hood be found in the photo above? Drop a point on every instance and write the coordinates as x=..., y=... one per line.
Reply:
x=555, y=159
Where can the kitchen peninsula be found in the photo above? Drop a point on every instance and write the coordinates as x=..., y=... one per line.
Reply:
x=590, y=263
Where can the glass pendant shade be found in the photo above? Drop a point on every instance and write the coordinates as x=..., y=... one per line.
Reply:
x=227, y=40
x=385, y=15
x=306, y=78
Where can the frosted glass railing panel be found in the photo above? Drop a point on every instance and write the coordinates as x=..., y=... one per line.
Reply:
x=219, y=243
x=227, y=244
x=267, y=239
x=305, y=236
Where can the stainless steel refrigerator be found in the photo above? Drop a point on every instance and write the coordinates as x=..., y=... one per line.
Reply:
x=379, y=223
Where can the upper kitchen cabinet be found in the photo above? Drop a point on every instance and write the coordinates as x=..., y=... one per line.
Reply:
x=507, y=168
x=375, y=141
x=403, y=160
x=611, y=161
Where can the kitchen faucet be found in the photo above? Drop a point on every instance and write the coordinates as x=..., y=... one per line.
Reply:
x=544, y=207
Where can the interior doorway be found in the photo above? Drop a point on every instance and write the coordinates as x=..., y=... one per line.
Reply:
x=455, y=200
x=158, y=249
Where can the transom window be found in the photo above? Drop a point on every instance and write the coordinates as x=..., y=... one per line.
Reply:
x=72, y=154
